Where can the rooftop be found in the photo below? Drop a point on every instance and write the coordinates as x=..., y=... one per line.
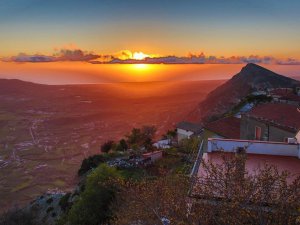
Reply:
x=281, y=115
x=228, y=127
x=196, y=128
x=255, y=161
x=285, y=94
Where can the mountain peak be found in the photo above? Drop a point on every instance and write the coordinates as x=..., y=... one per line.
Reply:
x=252, y=67
x=251, y=77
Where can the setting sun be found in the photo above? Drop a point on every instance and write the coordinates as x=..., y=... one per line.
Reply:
x=139, y=56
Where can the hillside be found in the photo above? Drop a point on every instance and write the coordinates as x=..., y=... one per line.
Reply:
x=46, y=130
x=225, y=97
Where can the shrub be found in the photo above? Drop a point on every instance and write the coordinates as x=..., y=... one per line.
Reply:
x=49, y=200
x=17, y=217
x=93, y=205
x=107, y=146
x=64, y=202
x=49, y=209
x=90, y=163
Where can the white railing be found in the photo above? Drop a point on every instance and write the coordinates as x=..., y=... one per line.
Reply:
x=197, y=161
x=253, y=147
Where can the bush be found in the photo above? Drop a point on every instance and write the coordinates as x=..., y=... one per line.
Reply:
x=107, y=146
x=17, y=217
x=141, y=137
x=189, y=145
x=121, y=146
x=93, y=205
x=50, y=209
x=49, y=200
x=90, y=163
x=64, y=202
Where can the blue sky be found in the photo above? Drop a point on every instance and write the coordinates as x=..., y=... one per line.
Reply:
x=218, y=27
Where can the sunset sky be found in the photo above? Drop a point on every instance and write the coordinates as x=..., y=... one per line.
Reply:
x=158, y=27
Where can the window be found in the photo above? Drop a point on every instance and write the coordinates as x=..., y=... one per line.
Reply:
x=257, y=133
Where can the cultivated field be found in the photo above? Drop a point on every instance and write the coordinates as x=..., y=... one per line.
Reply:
x=45, y=131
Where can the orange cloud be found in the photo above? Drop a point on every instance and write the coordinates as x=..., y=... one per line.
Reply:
x=126, y=56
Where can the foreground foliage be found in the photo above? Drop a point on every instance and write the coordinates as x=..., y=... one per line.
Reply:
x=226, y=194
x=93, y=205
x=18, y=217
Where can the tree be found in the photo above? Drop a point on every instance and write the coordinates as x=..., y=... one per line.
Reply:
x=151, y=200
x=225, y=194
x=229, y=194
x=189, y=145
x=122, y=146
x=107, y=146
x=93, y=204
x=90, y=163
x=171, y=134
x=141, y=137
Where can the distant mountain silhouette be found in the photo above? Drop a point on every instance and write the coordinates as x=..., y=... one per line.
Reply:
x=225, y=97
x=11, y=87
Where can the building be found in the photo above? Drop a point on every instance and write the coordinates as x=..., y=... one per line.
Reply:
x=270, y=122
x=285, y=95
x=285, y=156
x=188, y=130
x=228, y=127
x=163, y=144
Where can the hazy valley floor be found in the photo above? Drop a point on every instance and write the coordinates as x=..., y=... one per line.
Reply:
x=45, y=131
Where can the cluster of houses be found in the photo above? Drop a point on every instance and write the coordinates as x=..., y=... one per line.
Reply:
x=269, y=132
x=135, y=161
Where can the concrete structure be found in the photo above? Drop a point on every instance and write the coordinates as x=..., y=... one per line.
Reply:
x=163, y=144
x=153, y=156
x=254, y=147
x=188, y=130
x=297, y=137
x=270, y=122
x=286, y=157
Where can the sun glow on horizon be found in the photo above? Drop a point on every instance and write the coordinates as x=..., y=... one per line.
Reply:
x=141, y=66
x=140, y=55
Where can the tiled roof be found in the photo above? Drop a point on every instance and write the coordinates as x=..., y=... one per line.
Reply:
x=189, y=126
x=281, y=91
x=284, y=116
x=285, y=94
x=228, y=127
x=291, y=97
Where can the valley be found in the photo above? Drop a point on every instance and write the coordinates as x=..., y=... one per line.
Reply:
x=46, y=130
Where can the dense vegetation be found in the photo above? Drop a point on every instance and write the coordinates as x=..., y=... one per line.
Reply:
x=90, y=163
x=93, y=204
x=232, y=197
x=18, y=217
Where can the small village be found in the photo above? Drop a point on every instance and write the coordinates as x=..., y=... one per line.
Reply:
x=262, y=129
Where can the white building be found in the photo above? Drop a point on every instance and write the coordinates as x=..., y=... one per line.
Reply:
x=187, y=130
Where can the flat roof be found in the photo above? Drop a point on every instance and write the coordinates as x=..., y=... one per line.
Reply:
x=255, y=161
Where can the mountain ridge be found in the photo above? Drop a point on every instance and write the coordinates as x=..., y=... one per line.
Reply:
x=226, y=96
